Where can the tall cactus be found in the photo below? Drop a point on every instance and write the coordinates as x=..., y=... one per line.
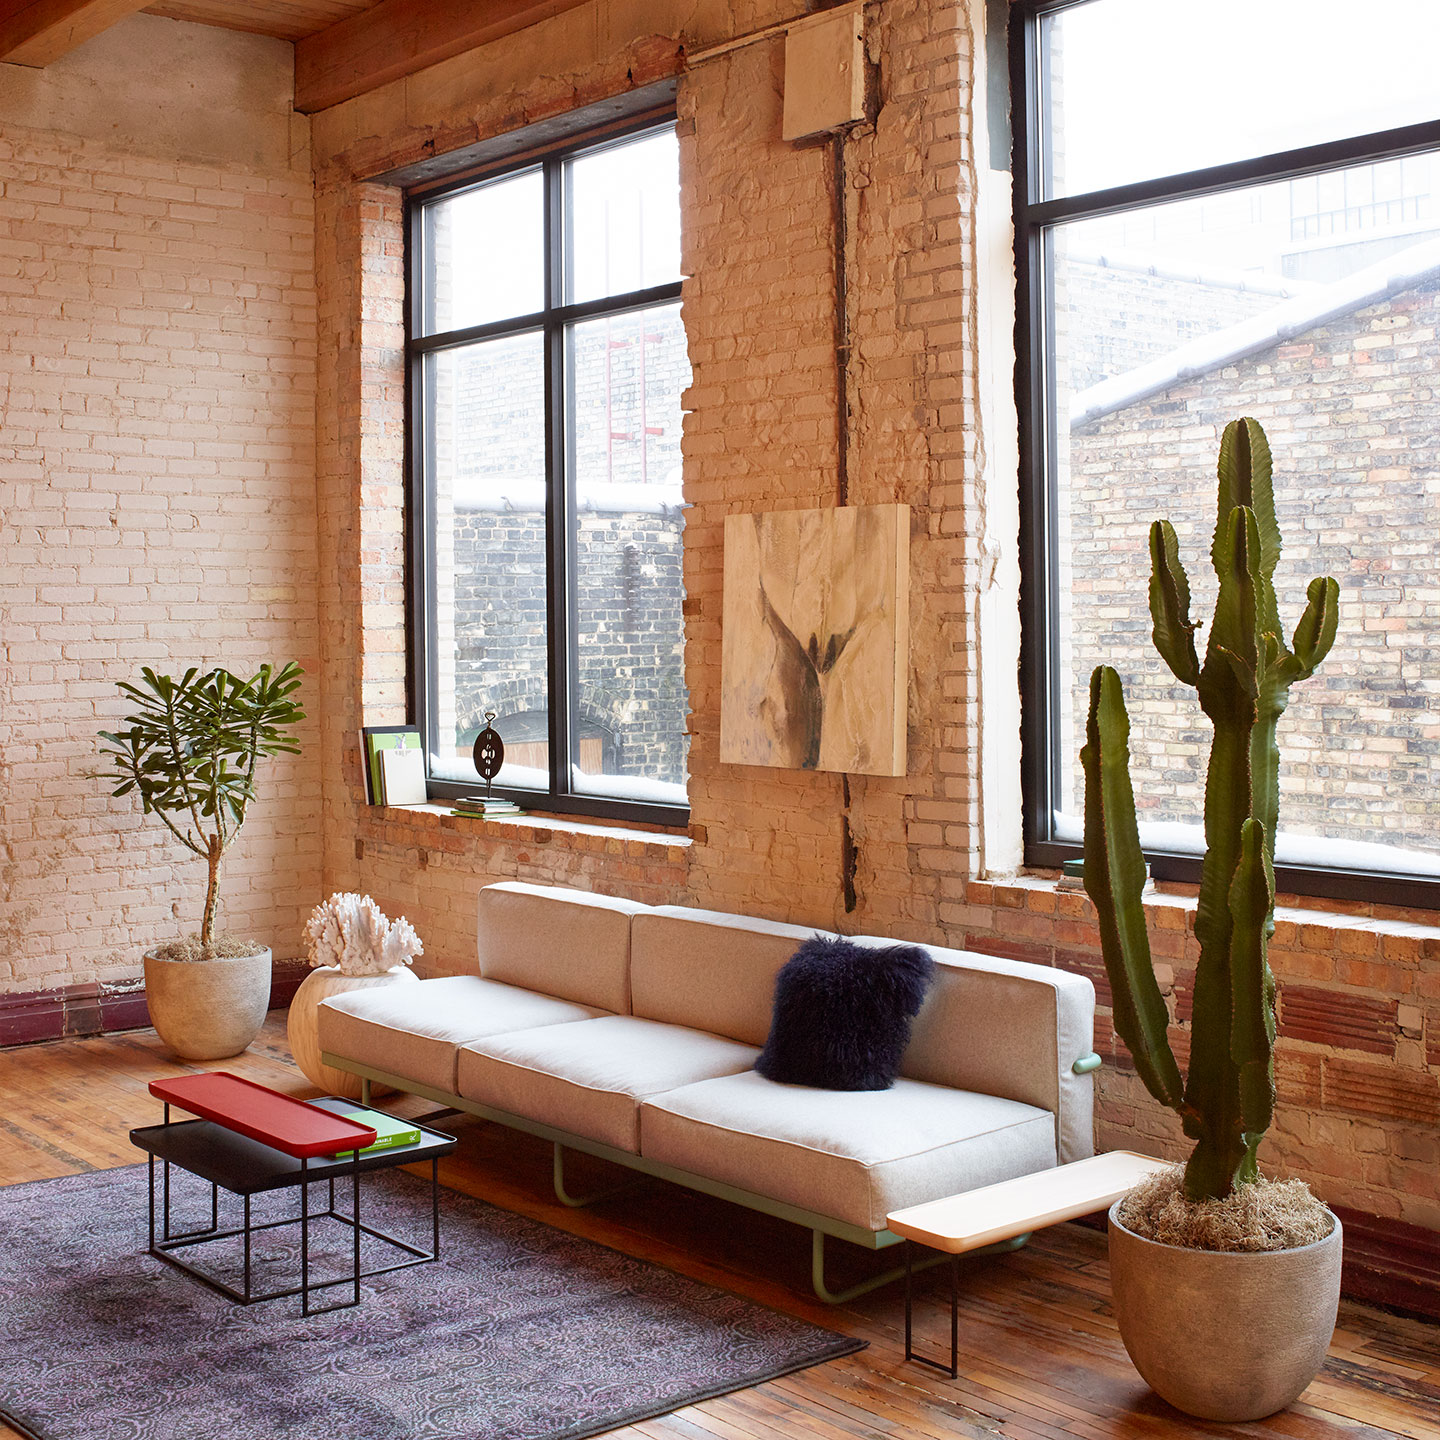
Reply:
x=1226, y=1102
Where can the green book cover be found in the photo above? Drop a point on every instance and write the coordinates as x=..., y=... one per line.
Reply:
x=390, y=1130
x=384, y=737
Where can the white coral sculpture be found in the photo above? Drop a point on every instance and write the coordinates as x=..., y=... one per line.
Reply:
x=349, y=932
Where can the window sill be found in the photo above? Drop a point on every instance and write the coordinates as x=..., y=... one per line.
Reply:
x=539, y=828
x=1040, y=890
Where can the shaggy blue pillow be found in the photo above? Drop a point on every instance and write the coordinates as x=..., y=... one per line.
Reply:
x=842, y=1014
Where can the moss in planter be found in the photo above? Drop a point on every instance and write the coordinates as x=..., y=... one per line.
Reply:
x=226, y=947
x=1267, y=1215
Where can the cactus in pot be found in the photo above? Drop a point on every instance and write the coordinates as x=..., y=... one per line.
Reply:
x=1226, y=1102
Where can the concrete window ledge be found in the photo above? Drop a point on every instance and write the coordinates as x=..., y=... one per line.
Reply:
x=534, y=827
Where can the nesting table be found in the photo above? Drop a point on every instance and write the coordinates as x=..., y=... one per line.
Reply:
x=248, y=1139
x=1001, y=1216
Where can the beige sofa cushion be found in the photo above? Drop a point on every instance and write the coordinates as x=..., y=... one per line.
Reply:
x=567, y=943
x=1009, y=1029
x=413, y=1030
x=854, y=1155
x=590, y=1079
x=709, y=970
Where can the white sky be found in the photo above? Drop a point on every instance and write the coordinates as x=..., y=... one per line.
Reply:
x=1156, y=87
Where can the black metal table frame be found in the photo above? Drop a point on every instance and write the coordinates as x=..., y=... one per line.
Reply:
x=169, y=1241
x=953, y=1369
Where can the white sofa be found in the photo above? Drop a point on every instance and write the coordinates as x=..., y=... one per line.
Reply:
x=630, y=1032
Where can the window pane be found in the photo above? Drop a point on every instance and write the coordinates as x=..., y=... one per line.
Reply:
x=486, y=445
x=624, y=215
x=1138, y=89
x=627, y=373
x=485, y=254
x=1313, y=307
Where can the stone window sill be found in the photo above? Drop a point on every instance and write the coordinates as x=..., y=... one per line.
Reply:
x=539, y=827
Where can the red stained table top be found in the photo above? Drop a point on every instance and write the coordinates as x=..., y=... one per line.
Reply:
x=288, y=1125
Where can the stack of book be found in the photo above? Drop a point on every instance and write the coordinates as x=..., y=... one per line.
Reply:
x=390, y=1130
x=484, y=806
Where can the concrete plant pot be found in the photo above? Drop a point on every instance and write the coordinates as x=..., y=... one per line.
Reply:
x=208, y=1009
x=1225, y=1336
x=303, y=1026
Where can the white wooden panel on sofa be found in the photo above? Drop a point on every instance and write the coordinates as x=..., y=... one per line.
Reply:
x=1031, y=1202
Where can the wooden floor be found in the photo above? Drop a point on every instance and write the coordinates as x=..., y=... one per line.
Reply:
x=1039, y=1352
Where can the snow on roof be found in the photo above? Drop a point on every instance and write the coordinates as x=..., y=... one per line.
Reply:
x=1282, y=322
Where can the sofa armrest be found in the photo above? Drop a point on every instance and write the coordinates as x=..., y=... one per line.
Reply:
x=1004, y=1027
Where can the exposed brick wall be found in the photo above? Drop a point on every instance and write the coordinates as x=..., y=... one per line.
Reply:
x=157, y=334
x=761, y=432
x=1359, y=1113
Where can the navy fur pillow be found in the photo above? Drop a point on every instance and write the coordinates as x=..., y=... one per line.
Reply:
x=842, y=1014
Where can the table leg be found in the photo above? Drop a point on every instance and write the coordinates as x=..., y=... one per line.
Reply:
x=247, y=1249
x=435, y=1206
x=152, y=1202
x=909, y=1299
x=304, y=1237
x=954, y=1317
x=355, y=1211
x=165, y=1231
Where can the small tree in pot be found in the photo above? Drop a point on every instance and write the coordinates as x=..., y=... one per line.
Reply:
x=1221, y=1318
x=190, y=750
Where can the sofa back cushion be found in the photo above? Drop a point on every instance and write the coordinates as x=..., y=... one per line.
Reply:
x=1007, y=1028
x=709, y=970
x=561, y=942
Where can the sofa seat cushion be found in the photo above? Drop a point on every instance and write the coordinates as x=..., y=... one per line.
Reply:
x=414, y=1030
x=853, y=1155
x=591, y=1079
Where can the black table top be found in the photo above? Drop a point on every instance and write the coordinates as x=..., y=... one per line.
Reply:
x=246, y=1167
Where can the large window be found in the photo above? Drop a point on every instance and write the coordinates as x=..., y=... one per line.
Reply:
x=547, y=361
x=1230, y=209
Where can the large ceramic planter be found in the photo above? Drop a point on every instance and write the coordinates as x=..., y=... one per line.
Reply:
x=304, y=1025
x=1225, y=1336
x=208, y=1009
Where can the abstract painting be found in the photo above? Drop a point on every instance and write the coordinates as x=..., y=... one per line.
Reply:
x=815, y=653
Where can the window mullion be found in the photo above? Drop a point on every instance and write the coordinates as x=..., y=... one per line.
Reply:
x=557, y=507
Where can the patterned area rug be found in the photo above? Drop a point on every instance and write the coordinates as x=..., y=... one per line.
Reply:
x=518, y=1332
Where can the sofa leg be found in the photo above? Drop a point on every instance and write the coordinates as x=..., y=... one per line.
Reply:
x=843, y=1297
x=579, y=1202
x=365, y=1090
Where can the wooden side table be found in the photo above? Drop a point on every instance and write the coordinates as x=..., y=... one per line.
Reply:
x=994, y=1214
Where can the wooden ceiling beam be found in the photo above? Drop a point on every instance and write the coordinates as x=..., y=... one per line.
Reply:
x=399, y=37
x=35, y=32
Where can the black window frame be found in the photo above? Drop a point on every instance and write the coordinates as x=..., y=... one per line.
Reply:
x=552, y=321
x=1035, y=385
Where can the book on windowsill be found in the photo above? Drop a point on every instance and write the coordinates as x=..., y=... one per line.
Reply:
x=1072, y=877
x=390, y=1130
x=481, y=805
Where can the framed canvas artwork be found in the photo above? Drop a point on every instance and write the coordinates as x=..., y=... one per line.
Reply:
x=816, y=633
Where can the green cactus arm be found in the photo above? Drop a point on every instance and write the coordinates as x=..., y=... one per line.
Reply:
x=1315, y=633
x=1244, y=472
x=1236, y=632
x=1115, y=881
x=1252, y=1029
x=1173, y=633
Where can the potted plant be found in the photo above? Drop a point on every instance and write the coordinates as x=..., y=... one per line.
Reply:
x=1225, y=1284
x=351, y=946
x=190, y=750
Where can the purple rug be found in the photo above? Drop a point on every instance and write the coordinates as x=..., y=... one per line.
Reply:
x=518, y=1332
